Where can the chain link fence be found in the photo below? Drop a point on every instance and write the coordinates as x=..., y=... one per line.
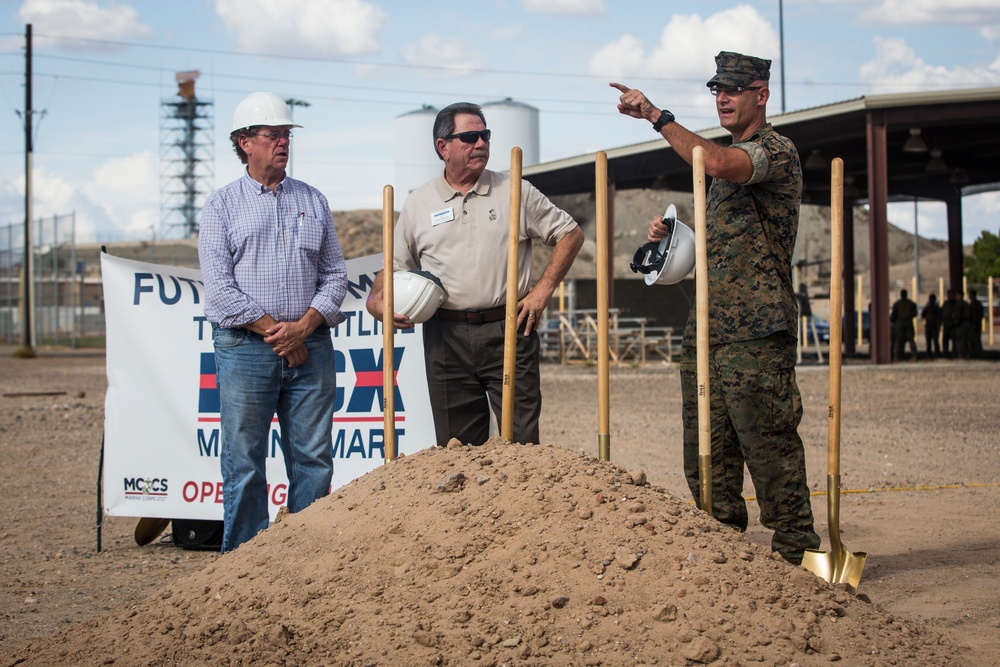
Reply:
x=66, y=296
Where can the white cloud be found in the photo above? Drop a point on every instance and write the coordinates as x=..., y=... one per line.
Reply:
x=619, y=59
x=304, y=27
x=446, y=56
x=105, y=20
x=127, y=191
x=685, y=54
x=933, y=12
x=983, y=15
x=53, y=194
x=897, y=67
x=118, y=200
x=688, y=45
x=983, y=210
x=577, y=7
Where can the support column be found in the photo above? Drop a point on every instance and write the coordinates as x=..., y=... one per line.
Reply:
x=612, y=191
x=850, y=333
x=878, y=232
x=955, y=252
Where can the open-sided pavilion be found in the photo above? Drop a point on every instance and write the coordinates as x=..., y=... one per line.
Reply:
x=930, y=145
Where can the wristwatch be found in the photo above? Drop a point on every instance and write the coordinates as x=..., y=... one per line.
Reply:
x=665, y=117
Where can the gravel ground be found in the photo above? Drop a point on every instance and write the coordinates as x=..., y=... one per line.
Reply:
x=920, y=466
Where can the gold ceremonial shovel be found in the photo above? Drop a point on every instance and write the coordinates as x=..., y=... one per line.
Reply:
x=840, y=565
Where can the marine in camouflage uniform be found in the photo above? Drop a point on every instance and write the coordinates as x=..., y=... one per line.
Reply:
x=752, y=221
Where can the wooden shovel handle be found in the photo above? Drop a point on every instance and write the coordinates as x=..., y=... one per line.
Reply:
x=388, y=327
x=603, y=280
x=836, y=309
x=701, y=296
x=510, y=335
x=701, y=304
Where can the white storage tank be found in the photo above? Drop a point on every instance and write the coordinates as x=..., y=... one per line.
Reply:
x=416, y=161
x=513, y=124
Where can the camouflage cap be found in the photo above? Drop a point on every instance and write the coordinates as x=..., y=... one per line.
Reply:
x=736, y=69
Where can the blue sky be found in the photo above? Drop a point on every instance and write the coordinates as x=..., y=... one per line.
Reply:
x=102, y=68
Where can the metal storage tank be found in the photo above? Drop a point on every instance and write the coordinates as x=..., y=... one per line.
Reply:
x=416, y=161
x=513, y=124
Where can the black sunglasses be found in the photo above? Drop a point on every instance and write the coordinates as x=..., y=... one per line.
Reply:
x=732, y=91
x=471, y=137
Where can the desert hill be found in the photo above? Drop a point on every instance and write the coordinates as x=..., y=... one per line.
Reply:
x=360, y=233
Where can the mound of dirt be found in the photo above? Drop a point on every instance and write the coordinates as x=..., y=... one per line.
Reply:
x=497, y=555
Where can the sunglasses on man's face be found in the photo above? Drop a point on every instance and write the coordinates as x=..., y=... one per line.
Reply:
x=470, y=137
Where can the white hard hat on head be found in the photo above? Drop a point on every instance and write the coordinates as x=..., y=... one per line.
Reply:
x=261, y=109
x=669, y=260
x=417, y=294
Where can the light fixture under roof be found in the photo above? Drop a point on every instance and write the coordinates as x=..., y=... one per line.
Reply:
x=916, y=143
x=936, y=163
x=850, y=189
x=815, y=161
x=959, y=178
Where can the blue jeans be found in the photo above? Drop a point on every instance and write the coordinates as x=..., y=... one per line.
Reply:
x=254, y=383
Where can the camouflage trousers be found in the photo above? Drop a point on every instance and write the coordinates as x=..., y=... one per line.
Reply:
x=756, y=409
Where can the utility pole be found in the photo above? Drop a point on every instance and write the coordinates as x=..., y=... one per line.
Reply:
x=781, y=32
x=916, y=245
x=27, y=348
x=292, y=103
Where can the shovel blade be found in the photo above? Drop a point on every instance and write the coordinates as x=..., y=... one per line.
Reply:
x=836, y=568
x=819, y=563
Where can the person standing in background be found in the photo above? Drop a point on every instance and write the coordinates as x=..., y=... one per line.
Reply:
x=949, y=346
x=931, y=315
x=901, y=320
x=976, y=317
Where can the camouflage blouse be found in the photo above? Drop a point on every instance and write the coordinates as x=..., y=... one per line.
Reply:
x=750, y=237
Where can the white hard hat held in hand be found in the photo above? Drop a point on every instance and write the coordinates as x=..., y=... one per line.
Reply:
x=669, y=260
x=417, y=294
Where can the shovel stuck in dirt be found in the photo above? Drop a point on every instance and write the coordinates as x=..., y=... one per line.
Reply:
x=510, y=335
x=701, y=322
x=603, y=280
x=388, y=326
x=839, y=565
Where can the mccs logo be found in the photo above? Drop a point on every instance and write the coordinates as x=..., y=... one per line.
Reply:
x=146, y=488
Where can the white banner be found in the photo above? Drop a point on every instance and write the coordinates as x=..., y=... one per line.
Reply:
x=161, y=421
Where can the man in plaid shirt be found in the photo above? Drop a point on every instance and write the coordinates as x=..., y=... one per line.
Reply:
x=275, y=279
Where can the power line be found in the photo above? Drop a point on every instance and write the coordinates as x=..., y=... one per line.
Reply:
x=338, y=98
x=350, y=61
x=805, y=83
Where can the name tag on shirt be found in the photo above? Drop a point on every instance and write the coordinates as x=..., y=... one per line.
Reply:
x=444, y=215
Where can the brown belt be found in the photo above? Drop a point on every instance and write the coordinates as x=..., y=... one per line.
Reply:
x=473, y=316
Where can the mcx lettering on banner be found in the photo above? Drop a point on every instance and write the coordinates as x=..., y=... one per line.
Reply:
x=365, y=399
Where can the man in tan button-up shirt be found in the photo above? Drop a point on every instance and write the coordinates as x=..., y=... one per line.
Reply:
x=455, y=226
